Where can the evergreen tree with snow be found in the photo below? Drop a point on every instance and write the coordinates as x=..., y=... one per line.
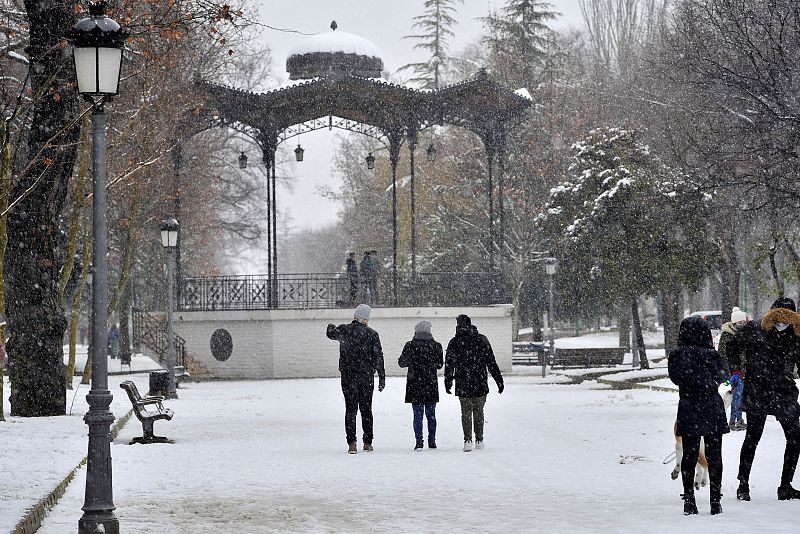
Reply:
x=435, y=25
x=625, y=225
x=518, y=37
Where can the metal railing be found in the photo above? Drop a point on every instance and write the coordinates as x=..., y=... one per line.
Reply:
x=313, y=291
x=151, y=331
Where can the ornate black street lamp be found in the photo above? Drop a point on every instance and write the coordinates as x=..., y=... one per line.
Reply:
x=97, y=43
x=242, y=160
x=298, y=152
x=431, y=153
x=370, y=161
x=169, y=240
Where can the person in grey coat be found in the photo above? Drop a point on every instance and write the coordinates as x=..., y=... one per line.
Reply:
x=423, y=357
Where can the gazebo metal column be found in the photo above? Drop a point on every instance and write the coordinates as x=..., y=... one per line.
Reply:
x=274, y=233
x=395, y=141
x=501, y=171
x=267, y=157
x=412, y=146
x=490, y=152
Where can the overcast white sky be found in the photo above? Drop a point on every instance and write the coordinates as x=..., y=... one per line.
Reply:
x=384, y=22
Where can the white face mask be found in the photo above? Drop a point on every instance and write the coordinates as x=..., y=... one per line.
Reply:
x=780, y=327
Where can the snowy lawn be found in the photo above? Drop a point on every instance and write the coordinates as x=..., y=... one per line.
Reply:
x=269, y=456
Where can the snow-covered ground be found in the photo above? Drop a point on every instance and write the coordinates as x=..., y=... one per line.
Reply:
x=269, y=456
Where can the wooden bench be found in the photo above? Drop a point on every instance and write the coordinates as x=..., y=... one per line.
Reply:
x=525, y=353
x=589, y=357
x=148, y=410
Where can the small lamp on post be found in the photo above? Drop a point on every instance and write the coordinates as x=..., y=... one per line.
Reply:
x=242, y=160
x=431, y=153
x=551, y=265
x=169, y=240
x=370, y=159
x=97, y=44
x=298, y=153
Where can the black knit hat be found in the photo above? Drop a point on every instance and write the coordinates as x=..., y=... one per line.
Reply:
x=784, y=302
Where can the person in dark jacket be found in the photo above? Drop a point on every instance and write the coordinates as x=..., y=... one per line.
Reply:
x=360, y=357
x=698, y=370
x=469, y=355
x=352, y=276
x=772, y=346
x=423, y=357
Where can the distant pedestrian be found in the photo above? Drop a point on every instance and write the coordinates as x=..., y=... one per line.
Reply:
x=352, y=276
x=738, y=319
x=469, y=356
x=698, y=370
x=423, y=357
x=369, y=278
x=114, y=336
x=772, y=349
x=360, y=357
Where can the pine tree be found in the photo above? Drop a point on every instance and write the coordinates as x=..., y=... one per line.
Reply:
x=435, y=25
x=626, y=225
x=518, y=37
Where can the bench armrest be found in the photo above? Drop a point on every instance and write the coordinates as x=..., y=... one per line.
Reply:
x=151, y=400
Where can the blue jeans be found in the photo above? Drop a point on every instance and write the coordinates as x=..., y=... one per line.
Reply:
x=736, y=402
x=430, y=414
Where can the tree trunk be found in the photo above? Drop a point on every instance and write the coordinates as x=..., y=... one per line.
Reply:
x=624, y=323
x=5, y=186
x=35, y=309
x=670, y=304
x=76, y=302
x=773, y=268
x=124, y=323
x=731, y=273
x=637, y=331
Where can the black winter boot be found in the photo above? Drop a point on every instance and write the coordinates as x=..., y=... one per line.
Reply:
x=743, y=491
x=787, y=492
x=716, y=506
x=689, y=506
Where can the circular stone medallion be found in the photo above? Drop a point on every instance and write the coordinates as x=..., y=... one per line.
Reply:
x=221, y=344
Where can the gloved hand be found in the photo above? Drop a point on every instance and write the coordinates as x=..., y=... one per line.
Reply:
x=735, y=378
x=500, y=387
x=448, y=388
x=381, y=383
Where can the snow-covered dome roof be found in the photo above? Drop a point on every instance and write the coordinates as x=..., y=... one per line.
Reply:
x=334, y=52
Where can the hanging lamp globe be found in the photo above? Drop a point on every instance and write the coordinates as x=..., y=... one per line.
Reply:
x=370, y=161
x=431, y=153
x=242, y=160
x=298, y=153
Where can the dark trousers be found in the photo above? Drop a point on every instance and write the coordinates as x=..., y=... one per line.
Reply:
x=358, y=396
x=691, y=448
x=472, y=410
x=755, y=427
x=430, y=413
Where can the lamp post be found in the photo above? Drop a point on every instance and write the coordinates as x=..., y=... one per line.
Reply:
x=169, y=240
x=97, y=43
x=551, y=264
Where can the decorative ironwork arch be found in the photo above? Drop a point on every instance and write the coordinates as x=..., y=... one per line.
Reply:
x=390, y=113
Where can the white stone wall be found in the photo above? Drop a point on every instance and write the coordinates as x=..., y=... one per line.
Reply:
x=292, y=343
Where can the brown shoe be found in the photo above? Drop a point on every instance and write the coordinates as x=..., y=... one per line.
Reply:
x=352, y=449
x=368, y=447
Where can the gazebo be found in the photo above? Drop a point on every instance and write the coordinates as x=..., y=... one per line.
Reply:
x=339, y=85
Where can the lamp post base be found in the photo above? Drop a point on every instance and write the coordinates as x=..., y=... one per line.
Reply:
x=90, y=523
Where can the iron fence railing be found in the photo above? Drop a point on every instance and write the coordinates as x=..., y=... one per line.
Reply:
x=307, y=291
x=150, y=331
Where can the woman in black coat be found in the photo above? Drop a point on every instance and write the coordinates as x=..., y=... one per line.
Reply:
x=423, y=357
x=698, y=370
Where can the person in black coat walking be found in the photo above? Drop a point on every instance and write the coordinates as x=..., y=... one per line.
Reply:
x=360, y=356
x=352, y=276
x=772, y=346
x=469, y=355
x=423, y=357
x=698, y=370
